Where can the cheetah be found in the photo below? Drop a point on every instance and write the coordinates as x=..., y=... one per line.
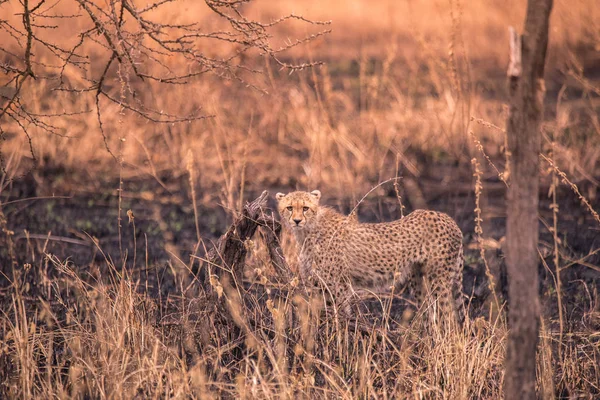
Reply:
x=424, y=248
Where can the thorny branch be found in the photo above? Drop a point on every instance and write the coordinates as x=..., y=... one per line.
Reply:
x=132, y=39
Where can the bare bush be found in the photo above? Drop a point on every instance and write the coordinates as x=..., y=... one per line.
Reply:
x=111, y=54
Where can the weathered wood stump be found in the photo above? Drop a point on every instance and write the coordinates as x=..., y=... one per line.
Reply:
x=224, y=266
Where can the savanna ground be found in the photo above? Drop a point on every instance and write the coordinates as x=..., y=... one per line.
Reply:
x=101, y=234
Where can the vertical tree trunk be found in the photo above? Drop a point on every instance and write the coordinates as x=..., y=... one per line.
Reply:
x=527, y=90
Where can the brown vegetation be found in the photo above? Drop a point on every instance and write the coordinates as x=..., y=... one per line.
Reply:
x=100, y=302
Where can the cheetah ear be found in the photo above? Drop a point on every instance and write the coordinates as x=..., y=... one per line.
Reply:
x=279, y=196
x=316, y=194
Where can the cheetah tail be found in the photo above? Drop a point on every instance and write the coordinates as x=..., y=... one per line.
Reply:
x=459, y=304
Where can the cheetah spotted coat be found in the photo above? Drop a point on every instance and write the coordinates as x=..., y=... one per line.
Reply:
x=337, y=251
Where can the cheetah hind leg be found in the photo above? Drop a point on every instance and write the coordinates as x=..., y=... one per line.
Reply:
x=437, y=298
x=425, y=295
x=459, y=304
x=415, y=285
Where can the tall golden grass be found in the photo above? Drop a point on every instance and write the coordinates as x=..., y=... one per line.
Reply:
x=399, y=75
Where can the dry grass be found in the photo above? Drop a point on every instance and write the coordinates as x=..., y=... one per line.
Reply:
x=407, y=83
x=407, y=87
x=103, y=335
x=105, y=339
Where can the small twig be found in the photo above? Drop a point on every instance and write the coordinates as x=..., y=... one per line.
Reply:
x=35, y=198
x=573, y=187
x=55, y=239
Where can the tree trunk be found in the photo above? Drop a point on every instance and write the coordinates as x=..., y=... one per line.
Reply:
x=527, y=91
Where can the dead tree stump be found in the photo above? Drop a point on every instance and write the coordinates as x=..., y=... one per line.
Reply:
x=224, y=266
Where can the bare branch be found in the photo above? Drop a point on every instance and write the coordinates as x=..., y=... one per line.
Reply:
x=146, y=51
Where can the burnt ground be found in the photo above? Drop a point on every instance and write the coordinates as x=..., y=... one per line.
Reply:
x=165, y=228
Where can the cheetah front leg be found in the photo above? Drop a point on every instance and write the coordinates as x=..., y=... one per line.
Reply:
x=337, y=292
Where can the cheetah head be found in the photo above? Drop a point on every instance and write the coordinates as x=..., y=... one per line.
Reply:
x=298, y=209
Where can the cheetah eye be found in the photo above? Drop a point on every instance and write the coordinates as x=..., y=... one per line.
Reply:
x=290, y=208
x=305, y=209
